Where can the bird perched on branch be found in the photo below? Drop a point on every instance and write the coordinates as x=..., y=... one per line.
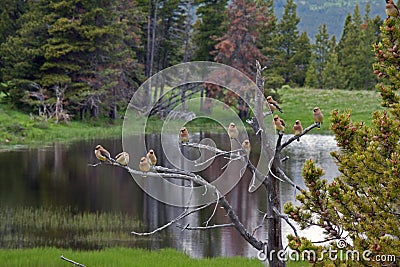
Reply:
x=272, y=105
x=184, y=135
x=102, y=154
x=233, y=131
x=318, y=117
x=279, y=124
x=144, y=164
x=151, y=157
x=246, y=147
x=122, y=158
x=297, y=129
x=391, y=9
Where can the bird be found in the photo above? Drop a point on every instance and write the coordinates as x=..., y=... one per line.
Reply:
x=184, y=135
x=391, y=9
x=233, y=131
x=279, y=124
x=318, y=117
x=102, y=154
x=144, y=164
x=272, y=105
x=122, y=158
x=246, y=147
x=151, y=157
x=297, y=129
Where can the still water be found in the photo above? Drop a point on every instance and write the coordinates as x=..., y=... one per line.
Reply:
x=59, y=176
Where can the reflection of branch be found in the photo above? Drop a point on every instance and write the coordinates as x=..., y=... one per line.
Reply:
x=187, y=227
x=285, y=217
x=71, y=261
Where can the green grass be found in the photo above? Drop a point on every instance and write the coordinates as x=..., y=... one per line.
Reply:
x=299, y=104
x=119, y=257
x=18, y=128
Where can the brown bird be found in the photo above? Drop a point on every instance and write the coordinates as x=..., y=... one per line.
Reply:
x=279, y=124
x=184, y=135
x=102, y=154
x=391, y=9
x=151, y=157
x=318, y=117
x=297, y=129
x=144, y=165
x=272, y=104
x=246, y=147
x=233, y=131
x=122, y=158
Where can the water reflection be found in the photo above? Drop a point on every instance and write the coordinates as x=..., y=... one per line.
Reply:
x=59, y=176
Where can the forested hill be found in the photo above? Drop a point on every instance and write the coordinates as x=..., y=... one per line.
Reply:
x=331, y=12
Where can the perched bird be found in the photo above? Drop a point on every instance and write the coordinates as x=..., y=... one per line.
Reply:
x=318, y=117
x=151, y=157
x=102, y=154
x=233, y=132
x=391, y=9
x=272, y=104
x=297, y=129
x=144, y=164
x=122, y=158
x=279, y=124
x=183, y=135
x=246, y=147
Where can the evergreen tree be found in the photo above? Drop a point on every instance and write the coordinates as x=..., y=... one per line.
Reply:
x=311, y=79
x=300, y=59
x=22, y=55
x=321, y=51
x=362, y=203
x=210, y=17
x=354, y=50
x=288, y=35
x=333, y=74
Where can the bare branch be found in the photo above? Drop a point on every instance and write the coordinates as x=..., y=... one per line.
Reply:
x=260, y=225
x=184, y=214
x=288, y=180
x=215, y=209
x=187, y=227
x=71, y=261
x=295, y=137
x=285, y=217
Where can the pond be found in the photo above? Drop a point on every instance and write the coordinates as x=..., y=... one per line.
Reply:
x=56, y=183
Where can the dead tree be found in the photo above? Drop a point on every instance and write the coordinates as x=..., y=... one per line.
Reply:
x=271, y=181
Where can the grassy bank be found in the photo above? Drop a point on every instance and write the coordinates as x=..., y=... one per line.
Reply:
x=299, y=104
x=20, y=128
x=120, y=257
x=17, y=128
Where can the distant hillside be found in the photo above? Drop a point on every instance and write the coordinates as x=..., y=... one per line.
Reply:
x=333, y=13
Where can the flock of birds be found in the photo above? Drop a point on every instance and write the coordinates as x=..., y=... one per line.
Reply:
x=150, y=159
x=280, y=124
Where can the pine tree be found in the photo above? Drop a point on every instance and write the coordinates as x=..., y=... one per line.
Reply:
x=210, y=17
x=311, y=79
x=288, y=35
x=300, y=59
x=362, y=203
x=321, y=51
